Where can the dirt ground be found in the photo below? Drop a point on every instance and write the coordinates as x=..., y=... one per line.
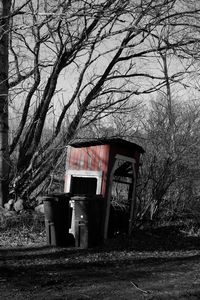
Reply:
x=72, y=274
x=164, y=264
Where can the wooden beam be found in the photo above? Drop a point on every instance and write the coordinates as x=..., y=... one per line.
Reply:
x=132, y=200
x=109, y=199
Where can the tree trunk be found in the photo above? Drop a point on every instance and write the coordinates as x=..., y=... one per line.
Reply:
x=4, y=156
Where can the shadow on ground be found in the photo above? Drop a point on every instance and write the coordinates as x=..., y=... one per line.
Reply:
x=159, y=264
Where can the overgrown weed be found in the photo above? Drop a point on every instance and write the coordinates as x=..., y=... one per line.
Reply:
x=23, y=229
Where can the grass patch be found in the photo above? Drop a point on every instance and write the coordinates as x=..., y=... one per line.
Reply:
x=23, y=229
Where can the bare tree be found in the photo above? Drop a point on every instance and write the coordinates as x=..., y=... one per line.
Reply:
x=167, y=188
x=102, y=51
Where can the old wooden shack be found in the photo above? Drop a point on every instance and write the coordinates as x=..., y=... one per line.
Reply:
x=93, y=166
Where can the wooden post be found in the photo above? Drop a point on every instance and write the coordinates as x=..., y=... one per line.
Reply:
x=108, y=200
x=132, y=199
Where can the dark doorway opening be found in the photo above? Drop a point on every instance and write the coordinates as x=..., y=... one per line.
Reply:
x=83, y=185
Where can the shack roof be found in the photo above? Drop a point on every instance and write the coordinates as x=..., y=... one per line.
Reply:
x=113, y=142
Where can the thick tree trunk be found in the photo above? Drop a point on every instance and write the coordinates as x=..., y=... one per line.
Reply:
x=4, y=156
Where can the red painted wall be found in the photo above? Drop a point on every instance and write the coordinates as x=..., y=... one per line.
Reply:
x=99, y=158
x=93, y=158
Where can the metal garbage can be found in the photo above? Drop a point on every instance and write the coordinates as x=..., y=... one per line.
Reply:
x=57, y=218
x=88, y=220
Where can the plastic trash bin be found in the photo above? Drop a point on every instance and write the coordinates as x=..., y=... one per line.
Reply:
x=57, y=218
x=88, y=218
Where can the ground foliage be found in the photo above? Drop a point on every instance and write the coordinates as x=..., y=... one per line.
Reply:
x=22, y=229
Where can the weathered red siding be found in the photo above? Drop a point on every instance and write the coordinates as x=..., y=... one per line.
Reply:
x=93, y=158
x=101, y=157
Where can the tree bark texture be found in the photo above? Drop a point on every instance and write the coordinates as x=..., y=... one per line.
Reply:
x=4, y=156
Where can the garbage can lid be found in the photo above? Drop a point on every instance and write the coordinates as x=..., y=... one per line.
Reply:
x=56, y=196
x=85, y=197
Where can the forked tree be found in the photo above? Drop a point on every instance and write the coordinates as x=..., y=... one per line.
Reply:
x=100, y=53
